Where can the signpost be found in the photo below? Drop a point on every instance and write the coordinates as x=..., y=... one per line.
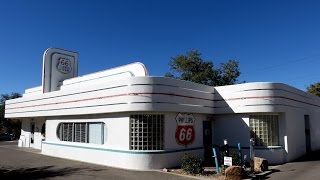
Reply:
x=216, y=160
x=252, y=143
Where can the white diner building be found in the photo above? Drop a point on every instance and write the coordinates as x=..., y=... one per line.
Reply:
x=124, y=118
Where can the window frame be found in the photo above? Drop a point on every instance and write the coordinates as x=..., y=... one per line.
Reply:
x=60, y=133
x=264, y=128
x=146, y=132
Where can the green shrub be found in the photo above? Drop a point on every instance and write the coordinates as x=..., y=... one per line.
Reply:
x=235, y=159
x=192, y=164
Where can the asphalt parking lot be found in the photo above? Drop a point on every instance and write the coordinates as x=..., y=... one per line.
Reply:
x=25, y=164
x=18, y=163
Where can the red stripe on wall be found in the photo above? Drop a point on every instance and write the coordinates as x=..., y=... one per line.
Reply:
x=167, y=94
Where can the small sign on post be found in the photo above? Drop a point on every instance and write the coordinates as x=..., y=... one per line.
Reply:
x=227, y=161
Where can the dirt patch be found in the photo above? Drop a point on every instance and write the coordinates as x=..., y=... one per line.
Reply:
x=207, y=173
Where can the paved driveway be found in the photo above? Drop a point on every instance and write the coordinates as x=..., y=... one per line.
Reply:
x=16, y=163
x=305, y=168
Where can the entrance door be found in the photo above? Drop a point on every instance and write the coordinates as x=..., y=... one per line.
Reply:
x=32, y=127
x=307, y=132
x=207, y=143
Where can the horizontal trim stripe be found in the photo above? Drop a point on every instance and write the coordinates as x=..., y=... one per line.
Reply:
x=256, y=147
x=148, y=93
x=276, y=89
x=124, y=151
x=260, y=147
x=81, y=107
x=111, y=96
x=113, y=87
x=66, y=95
x=274, y=97
x=212, y=107
x=113, y=104
x=276, y=105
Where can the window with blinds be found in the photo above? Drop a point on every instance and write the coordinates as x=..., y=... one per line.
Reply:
x=67, y=131
x=264, y=129
x=81, y=132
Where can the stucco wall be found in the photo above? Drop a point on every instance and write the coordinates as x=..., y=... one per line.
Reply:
x=116, y=129
x=38, y=137
x=24, y=140
x=235, y=128
x=25, y=137
x=315, y=130
x=295, y=133
x=115, y=151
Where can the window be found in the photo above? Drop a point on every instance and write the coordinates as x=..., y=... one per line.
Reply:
x=264, y=128
x=81, y=132
x=67, y=132
x=95, y=133
x=146, y=132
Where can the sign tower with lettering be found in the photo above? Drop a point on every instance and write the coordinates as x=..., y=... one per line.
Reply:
x=58, y=65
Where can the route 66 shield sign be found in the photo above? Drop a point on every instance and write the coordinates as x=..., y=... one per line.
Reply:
x=64, y=66
x=185, y=132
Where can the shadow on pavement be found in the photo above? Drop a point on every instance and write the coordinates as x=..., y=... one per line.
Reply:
x=35, y=173
x=263, y=175
x=312, y=156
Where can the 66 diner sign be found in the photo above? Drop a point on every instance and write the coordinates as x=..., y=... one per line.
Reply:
x=185, y=133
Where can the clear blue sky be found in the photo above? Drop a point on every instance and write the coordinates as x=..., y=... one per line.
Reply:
x=273, y=41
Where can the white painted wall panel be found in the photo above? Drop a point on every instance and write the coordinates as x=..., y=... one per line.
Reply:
x=296, y=134
x=233, y=127
x=33, y=91
x=115, y=151
x=121, y=159
x=315, y=130
x=116, y=129
x=38, y=137
x=24, y=140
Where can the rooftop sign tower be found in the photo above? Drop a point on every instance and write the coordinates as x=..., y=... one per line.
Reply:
x=58, y=65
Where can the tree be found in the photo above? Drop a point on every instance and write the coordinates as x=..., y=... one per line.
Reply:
x=191, y=67
x=8, y=126
x=314, y=89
